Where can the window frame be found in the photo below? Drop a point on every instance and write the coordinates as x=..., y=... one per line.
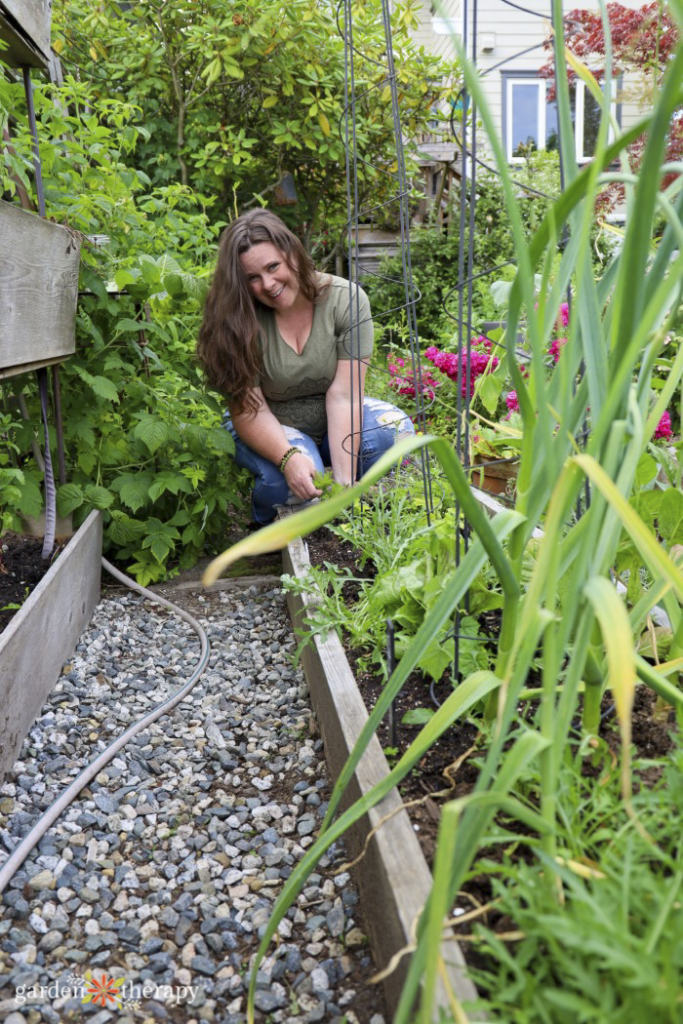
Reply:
x=512, y=78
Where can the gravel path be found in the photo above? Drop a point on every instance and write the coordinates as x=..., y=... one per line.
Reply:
x=164, y=871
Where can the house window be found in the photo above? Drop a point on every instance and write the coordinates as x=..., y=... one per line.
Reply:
x=531, y=121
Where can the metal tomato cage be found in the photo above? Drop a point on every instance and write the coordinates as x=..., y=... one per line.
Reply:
x=465, y=134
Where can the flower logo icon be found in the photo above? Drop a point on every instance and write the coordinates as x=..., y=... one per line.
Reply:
x=102, y=990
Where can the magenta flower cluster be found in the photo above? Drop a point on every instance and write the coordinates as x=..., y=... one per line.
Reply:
x=456, y=367
x=512, y=402
x=556, y=348
x=403, y=381
x=663, y=429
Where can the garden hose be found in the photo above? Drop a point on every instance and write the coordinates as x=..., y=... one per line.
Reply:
x=37, y=831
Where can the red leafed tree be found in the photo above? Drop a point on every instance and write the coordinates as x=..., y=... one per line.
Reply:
x=643, y=40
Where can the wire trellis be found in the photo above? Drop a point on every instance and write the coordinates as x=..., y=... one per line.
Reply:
x=466, y=139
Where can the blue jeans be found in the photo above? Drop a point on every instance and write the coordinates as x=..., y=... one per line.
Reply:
x=382, y=424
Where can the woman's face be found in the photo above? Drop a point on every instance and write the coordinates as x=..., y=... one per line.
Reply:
x=269, y=277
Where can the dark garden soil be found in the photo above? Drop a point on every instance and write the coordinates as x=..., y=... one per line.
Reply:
x=22, y=567
x=449, y=769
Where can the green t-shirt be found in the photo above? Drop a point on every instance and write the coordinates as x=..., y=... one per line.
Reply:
x=295, y=386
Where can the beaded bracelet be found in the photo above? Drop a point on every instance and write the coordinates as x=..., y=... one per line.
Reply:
x=286, y=457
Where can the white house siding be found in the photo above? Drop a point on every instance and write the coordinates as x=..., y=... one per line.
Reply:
x=503, y=32
x=425, y=35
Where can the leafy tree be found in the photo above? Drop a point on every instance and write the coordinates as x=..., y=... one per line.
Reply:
x=235, y=94
x=178, y=113
x=643, y=41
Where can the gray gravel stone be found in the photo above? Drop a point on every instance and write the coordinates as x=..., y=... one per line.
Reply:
x=166, y=869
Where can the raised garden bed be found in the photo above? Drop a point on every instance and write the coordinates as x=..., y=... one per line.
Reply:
x=393, y=875
x=43, y=633
x=450, y=770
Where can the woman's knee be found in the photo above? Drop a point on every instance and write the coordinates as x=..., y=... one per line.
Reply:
x=383, y=425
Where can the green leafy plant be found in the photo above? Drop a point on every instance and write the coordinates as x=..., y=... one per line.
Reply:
x=265, y=98
x=412, y=561
x=143, y=440
x=612, y=950
x=326, y=483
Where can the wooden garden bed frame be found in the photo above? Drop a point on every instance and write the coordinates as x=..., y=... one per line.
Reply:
x=393, y=876
x=43, y=634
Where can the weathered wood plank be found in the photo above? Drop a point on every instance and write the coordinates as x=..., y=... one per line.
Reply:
x=12, y=371
x=38, y=289
x=25, y=26
x=43, y=635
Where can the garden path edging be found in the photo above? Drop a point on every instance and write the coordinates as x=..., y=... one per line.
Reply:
x=393, y=876
x=43, y=635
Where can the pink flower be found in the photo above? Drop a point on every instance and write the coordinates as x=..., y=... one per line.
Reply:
x=564, y=314
x=663, y=430
x=556, y=347
x=457, y=368
x=512, y=401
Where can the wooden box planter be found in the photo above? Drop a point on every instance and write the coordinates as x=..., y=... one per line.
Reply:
x=43, y=635
x=494, y=477
x=25, y=26
x=38, y=291
x=393, y=876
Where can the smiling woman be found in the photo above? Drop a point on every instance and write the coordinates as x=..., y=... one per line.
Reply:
x=288, y=347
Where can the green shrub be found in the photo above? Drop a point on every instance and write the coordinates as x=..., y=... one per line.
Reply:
x=143, y=441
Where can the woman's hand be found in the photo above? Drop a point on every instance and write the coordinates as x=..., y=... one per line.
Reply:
x=299, y=473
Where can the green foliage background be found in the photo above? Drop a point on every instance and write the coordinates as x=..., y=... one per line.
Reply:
x=172, y=119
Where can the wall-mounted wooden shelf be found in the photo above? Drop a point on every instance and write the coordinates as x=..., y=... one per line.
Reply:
x=38, y=291
x=25, y=27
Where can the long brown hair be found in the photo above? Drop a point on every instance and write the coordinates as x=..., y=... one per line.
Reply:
x=228, y=338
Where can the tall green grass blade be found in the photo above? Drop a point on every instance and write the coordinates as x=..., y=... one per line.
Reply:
x=612, y=616
x=438, y=907
x=663, y=913
x=647, y=602
x=654, y=556
x=476, y=820
x=586, y=306
x=629, y=296
x=661, y=686
x=474, y=513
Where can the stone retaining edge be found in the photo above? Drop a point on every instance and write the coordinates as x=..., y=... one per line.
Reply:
x=393, y=876
x=43, y=635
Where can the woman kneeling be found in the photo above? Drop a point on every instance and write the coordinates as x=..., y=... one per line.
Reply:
x=289, y=347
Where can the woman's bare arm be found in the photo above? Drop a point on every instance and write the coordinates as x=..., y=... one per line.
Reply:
x=344, y=407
